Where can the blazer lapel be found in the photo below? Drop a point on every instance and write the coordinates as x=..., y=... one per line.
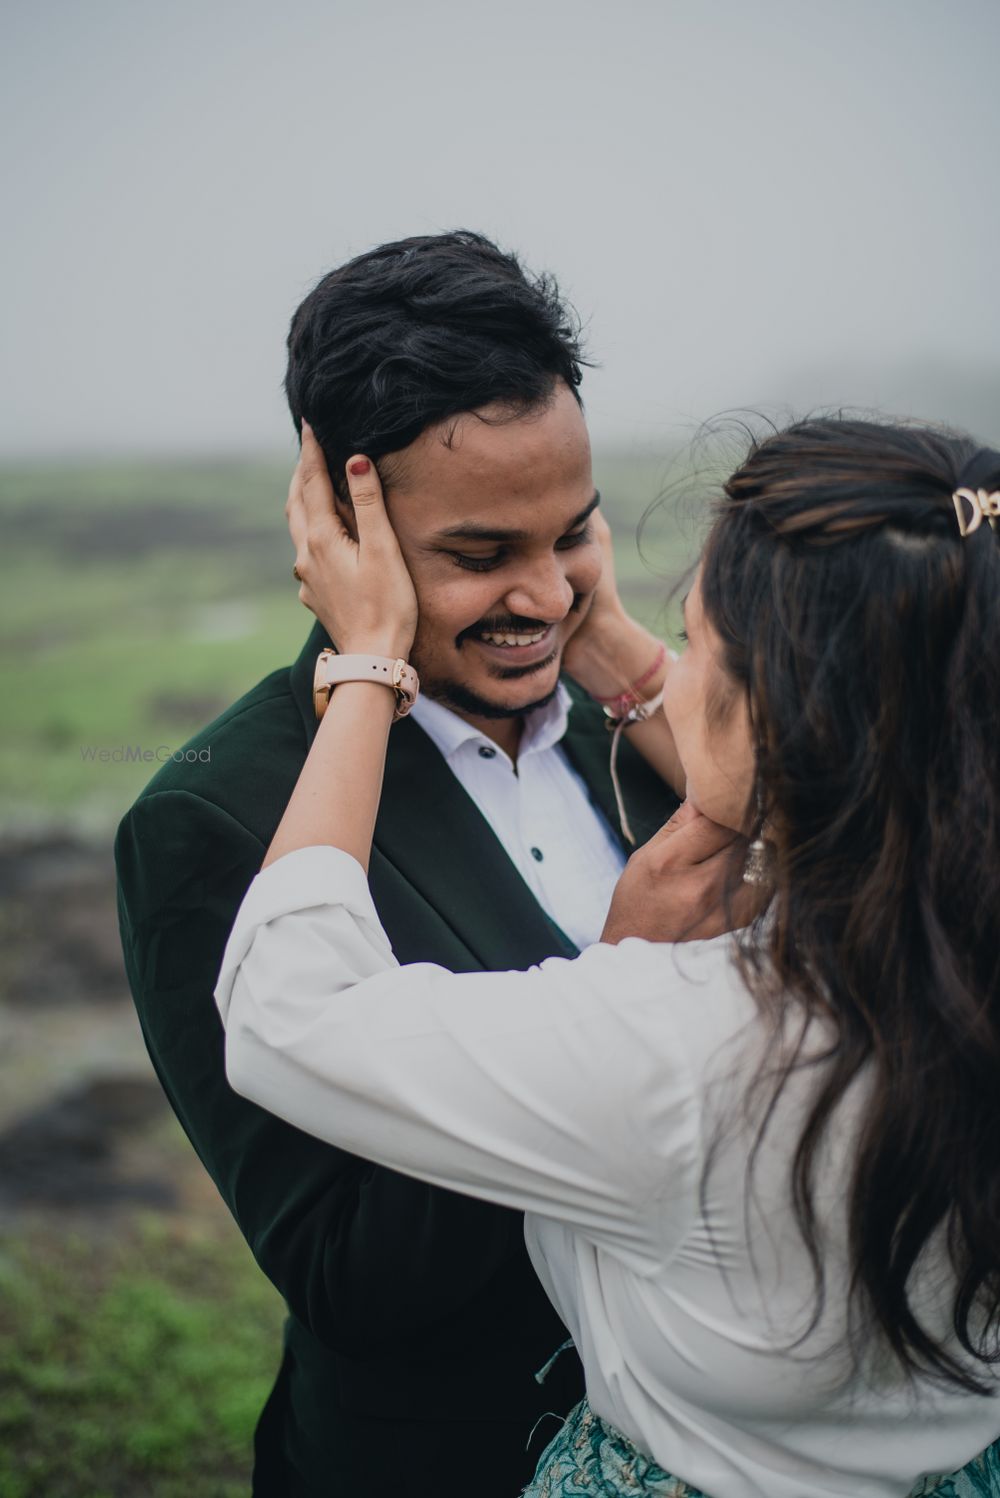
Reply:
x=438, y=839
x=433, y=833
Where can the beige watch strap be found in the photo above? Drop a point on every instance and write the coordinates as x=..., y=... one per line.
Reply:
x=332, y=669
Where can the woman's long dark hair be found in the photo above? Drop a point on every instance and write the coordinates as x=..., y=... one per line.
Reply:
x=865, y=631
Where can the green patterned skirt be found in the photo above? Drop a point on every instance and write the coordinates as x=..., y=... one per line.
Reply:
x=589, y=1459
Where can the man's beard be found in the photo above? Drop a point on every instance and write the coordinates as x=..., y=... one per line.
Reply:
x=456, y=695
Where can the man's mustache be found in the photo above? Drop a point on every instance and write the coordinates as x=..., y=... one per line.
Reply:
x=515, y=624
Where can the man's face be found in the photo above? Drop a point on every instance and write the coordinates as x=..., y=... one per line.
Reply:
x=492, y=518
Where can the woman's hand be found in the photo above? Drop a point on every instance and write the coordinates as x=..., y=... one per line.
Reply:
x=683, y=885
x=359, y=589
x=610, y=649
x=587, y=649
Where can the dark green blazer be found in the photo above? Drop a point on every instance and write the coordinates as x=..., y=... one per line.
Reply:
x=415, y=1325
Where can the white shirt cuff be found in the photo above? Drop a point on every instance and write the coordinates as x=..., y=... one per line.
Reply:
x=309, y=877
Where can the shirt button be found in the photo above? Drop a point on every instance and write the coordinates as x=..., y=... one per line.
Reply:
x=485, y=752
x=537, y=854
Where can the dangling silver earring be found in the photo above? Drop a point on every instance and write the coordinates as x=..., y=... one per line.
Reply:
x=757, y=869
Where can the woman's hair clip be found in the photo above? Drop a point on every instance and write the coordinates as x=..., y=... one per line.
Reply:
x=980, y=502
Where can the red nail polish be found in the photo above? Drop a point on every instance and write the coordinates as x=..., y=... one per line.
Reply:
x=359, y=467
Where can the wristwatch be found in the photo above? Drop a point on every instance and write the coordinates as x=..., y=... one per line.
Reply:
x=332, y=669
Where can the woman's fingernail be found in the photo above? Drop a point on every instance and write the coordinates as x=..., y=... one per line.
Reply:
x=359, y=467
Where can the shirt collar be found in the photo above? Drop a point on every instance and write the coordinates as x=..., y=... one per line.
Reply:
x=543, y=727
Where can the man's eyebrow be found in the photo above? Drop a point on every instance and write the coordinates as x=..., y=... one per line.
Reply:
x=473, y=532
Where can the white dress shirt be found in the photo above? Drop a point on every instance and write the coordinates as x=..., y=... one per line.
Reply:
x=587, y=1094
x=539, y=809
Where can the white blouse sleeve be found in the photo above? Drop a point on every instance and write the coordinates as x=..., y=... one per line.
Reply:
x=561, y=1090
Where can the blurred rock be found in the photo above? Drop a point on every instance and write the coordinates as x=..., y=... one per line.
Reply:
x=84, y=1126
x=131, y=531
x=73, y=1150
x=58, y=922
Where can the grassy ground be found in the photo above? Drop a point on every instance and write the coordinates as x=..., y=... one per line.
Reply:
x=133, y=1365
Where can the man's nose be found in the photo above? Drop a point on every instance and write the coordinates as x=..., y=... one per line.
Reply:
x=541, y=591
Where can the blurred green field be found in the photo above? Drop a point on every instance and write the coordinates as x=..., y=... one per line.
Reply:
x=138, y=600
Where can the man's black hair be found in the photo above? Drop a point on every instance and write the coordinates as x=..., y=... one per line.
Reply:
x=414, y=332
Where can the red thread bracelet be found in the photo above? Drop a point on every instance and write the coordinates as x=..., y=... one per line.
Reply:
x=622, y=701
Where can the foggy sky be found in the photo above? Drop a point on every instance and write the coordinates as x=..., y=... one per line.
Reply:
x=750, y=203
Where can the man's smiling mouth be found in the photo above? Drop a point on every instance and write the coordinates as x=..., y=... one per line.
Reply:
x=517, y=650
x=509, y=638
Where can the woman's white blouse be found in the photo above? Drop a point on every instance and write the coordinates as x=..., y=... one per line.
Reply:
x=588, y=1094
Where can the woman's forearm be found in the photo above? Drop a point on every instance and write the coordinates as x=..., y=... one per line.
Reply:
x=355, y=580
x=336, y=797
x=606, y=662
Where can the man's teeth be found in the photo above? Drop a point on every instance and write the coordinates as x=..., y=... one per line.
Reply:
x=510, y=639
